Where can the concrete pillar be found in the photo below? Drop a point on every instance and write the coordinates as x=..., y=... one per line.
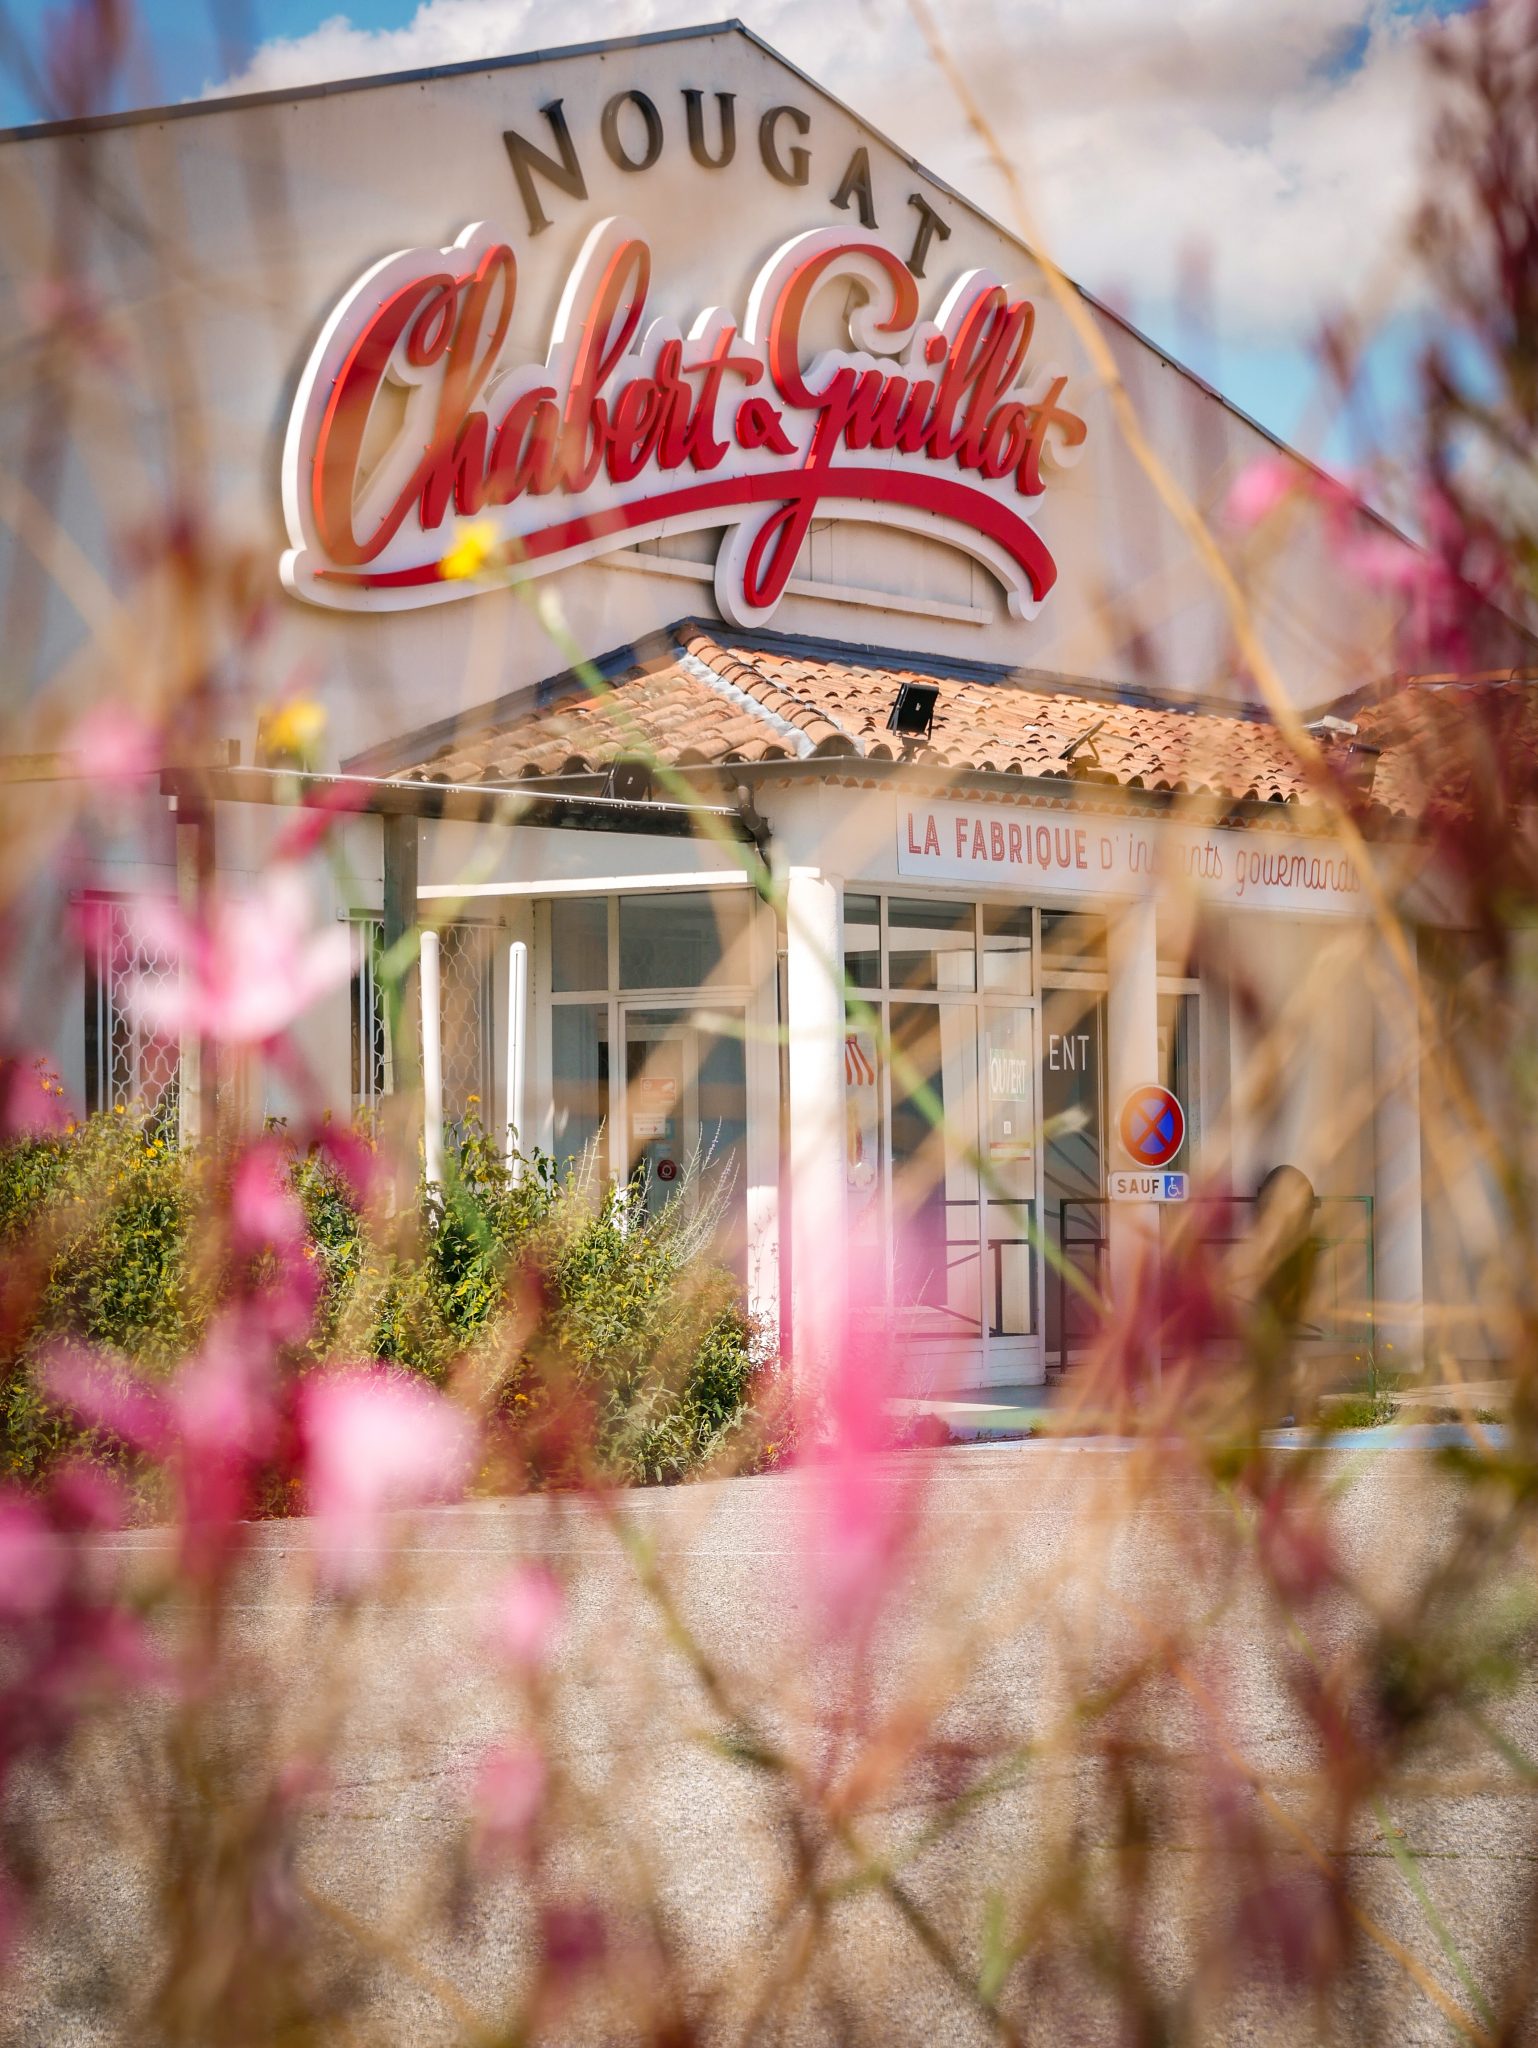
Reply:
x=1397, y=1206
x=432, y=1061
x=1132, y=1060
x=515, y=1136
x=816, y=1195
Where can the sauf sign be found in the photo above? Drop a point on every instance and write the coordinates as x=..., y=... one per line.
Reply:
x=410, y=415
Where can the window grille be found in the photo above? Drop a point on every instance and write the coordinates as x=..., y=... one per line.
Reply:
x=370, y=1041
x=127, y=1062
x=465, y=979
x=465, y=996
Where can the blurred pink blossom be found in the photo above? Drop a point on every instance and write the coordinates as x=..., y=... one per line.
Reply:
x=265, y=1211
x=1271, y=481
x=32, y=1101
x=33, y=1565
x=113, y=747
x=375, y=1441
x=224, y=1397
x=1262, y=485
x=527, y=1616
x=510, y=1791
x=105, y=1394
x=258, y=964
x=573, y=1936
x=863, y=1497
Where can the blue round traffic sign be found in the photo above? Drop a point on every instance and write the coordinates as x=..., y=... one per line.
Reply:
x=1153, y=1126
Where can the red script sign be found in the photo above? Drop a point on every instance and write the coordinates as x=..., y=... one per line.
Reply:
x=408, y=417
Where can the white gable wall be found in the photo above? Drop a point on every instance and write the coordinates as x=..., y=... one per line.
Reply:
x=259, y=217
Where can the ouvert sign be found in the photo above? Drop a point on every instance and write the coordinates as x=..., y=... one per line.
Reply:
x=1036, y=848
x=409, y=414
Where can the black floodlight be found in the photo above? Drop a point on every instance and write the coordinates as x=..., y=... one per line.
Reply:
x=630, y=780
x=913, y=713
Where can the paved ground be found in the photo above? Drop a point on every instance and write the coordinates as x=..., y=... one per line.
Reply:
x=1037, y=1575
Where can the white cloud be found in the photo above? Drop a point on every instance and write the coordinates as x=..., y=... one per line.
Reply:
x=1275, y=143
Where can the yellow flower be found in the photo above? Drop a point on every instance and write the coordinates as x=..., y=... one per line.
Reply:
x=475, y=549
x=295, y=727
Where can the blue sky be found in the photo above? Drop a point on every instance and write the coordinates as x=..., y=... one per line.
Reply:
x=1268, y=148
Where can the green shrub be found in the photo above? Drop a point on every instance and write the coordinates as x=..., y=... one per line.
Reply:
x=551, y=1295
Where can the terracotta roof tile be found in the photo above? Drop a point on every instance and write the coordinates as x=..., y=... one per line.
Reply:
x=717, y=701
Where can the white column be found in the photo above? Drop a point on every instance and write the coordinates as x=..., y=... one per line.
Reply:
x=1397, y=1216
x=815, y=1024
x=1132, y=1060
x=517, y=1045
x=432, y=1061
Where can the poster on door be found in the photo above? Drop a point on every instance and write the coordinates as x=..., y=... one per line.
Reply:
x=1011, y=1131
x=862, y=1112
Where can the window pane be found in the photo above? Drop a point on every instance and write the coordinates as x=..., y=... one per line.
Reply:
x=936, y=1264
x=1007, y=948
x=1177, y=1066
x=683, y=940
x=1073, y=939
x=862, y=940
x=686, y=1096
x=580, y=1072
x=579, y=943
x=931, y=945
x=1009, y=1138
x=1070, y=1108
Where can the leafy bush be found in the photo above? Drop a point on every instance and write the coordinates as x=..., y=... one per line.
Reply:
x=542, y=1296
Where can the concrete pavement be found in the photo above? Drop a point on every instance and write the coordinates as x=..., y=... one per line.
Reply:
x=1036, y=1576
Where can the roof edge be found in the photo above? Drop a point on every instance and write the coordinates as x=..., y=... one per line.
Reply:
x=729, y=25
x=327, y=88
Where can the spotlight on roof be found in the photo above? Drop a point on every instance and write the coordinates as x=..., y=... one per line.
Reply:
x=630, y=779
x=912, y=715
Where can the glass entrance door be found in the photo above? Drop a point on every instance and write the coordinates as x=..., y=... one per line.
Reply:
x=943, y=1112
x=685, y=1110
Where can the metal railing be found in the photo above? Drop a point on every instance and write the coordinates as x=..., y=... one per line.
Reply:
x=1338, y=1311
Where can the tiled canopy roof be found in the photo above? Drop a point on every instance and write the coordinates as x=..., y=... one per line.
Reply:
x=706, y=699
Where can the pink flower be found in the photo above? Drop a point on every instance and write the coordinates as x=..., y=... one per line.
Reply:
x=862, y=1495
x=32, y=1103
x=254, y=968
x=510, y=1791
x=527, y=1616
x=375, y=1441
x=103, y=1392
x=1262, y=485
x=223, y=1399
x=113, y=747
x=33, y=1565
x=265, y=1212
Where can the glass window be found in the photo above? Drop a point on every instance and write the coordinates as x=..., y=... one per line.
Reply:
x=1073, y=941
x=1071, y=1021
x=686, y=1097
x=931, y=945
x=580, y=1071
x=683, y=939
x=862, y=941
x=1177, y=1065
x=579, y=943
x=128, y=1062
x=1007, y=948
x=936, y=1256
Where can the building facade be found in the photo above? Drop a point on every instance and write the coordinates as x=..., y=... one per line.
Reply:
x=823, y=767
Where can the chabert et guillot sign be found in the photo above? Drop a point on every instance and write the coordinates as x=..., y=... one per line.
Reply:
x=631, y=428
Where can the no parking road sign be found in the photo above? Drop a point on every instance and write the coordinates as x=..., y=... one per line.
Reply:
x=1153, y=1126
